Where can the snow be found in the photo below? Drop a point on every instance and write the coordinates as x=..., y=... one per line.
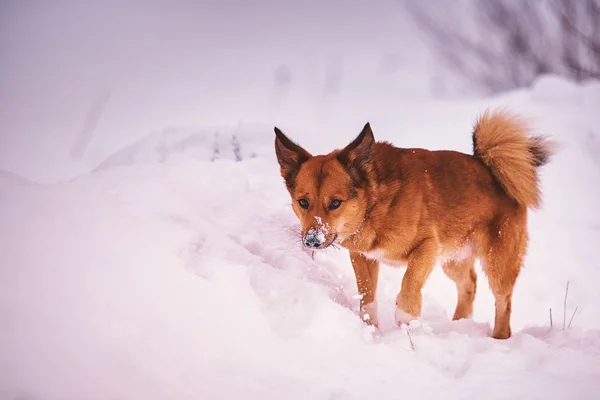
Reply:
x=169, y=273
x=147, y=66
x=155, y=255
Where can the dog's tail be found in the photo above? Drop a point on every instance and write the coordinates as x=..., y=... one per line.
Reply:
x=503, y=142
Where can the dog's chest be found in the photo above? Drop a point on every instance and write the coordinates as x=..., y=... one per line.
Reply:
x=379, y=255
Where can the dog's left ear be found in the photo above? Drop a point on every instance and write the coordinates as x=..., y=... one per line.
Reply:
x=359, y=153
x=290, y=157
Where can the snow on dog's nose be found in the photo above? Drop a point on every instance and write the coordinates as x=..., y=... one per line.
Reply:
x=316, y=235
x=314, y=240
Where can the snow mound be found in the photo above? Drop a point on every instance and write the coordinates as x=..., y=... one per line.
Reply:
x=231, y=143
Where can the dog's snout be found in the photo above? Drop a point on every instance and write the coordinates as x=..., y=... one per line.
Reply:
x=313, y=241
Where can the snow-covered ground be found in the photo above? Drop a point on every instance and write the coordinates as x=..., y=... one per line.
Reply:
x=174, y=271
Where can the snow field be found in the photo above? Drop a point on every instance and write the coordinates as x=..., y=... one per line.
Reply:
x=165, y=274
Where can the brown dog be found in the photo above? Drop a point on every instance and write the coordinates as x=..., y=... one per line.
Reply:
x=416, y=207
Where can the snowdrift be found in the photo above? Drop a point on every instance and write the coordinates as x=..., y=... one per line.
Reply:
x=175, y=272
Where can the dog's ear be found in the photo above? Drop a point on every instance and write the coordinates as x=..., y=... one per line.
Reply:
x=290, y=157
x=359, y=153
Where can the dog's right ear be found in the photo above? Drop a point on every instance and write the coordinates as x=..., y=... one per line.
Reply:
x=290, y=157
x=357, y=157
x=359, y=153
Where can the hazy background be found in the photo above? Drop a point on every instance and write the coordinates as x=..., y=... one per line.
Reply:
x=81, y=79
x=141, y=66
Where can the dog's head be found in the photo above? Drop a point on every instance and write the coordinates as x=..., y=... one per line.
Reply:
x=327, y=191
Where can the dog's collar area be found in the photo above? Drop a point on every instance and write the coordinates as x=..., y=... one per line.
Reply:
x=362, y=223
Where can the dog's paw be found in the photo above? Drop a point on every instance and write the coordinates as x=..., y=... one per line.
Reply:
x=403, y=318
x=368, y=313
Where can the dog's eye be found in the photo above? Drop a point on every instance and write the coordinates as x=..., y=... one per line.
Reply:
x=303, y=203
x=335, y=203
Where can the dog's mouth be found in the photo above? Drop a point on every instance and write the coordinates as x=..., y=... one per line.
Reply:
x=329, y=244
x=333, y=242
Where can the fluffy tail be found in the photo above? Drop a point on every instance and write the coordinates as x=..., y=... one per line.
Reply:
x=503, y=142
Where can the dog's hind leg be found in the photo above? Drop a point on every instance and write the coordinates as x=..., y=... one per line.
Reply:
x=502, y=265
x=421, y=261
x=462, y=272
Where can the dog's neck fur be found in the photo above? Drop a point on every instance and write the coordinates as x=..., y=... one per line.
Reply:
x=366, y=237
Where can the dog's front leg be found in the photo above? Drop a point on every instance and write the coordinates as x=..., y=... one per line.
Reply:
x=366, y=272
x=421, y=261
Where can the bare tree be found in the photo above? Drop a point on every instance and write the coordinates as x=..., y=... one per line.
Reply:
x=505, y=44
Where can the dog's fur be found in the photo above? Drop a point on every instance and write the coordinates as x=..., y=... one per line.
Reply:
x=416, y=207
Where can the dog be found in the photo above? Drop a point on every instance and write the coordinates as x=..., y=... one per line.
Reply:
x=415, y=207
